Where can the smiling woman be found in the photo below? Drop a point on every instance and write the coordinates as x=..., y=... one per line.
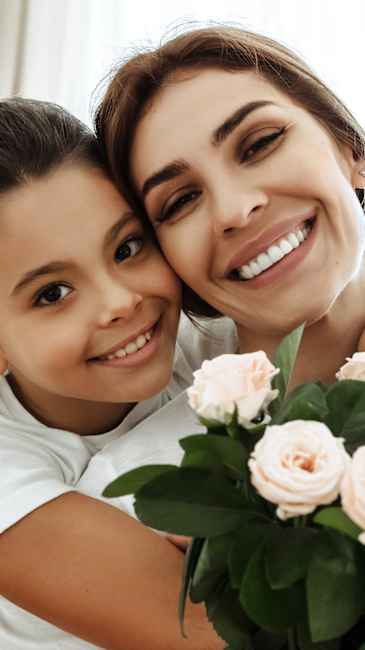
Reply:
x=236, y=147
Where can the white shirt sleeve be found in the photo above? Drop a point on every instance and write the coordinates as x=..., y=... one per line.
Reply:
x=153, y=441
x=35, y=469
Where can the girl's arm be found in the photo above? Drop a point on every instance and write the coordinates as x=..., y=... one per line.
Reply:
x=95, y=572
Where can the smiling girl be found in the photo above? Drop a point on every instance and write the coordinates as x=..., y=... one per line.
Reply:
x=248, y=168
x=88, y=321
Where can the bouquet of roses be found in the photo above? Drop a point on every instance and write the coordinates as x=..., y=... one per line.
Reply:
x=273, y=495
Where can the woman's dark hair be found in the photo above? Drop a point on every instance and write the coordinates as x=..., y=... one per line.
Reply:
x=36, y=137
x=135, y=84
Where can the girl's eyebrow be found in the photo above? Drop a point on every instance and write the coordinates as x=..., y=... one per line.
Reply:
x=178, y=167
x=59, y=266
x=33, y=274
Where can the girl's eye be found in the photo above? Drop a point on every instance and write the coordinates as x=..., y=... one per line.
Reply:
x=51, y=295
x=171, y=209
x=259, y=147
x=128, y=248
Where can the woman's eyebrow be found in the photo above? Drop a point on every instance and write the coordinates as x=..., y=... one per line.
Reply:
x=233, y=121
x=163, y=175
x=178, y=167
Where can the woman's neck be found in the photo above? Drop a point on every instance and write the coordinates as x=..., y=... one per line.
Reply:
x=326, y=343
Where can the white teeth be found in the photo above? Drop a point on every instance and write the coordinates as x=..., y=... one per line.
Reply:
x=285, y=246
x=264, y=261
x=293, y=240
x=255, y=268
x=141, y=340
x=274, y=253
x=131, y=347
x=245, y=273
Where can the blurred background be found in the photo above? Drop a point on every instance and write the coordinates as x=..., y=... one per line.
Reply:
x=60, y=49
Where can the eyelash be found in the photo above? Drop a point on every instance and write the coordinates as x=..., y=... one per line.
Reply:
x=258, y=145
x=37, y=302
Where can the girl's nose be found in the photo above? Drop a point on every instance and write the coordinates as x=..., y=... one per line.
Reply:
x=118, y=302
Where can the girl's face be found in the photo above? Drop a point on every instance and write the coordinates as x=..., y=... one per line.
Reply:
x=251, y=198
x=89, y=308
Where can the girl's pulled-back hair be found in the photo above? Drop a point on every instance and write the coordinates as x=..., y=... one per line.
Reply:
x=134, y=85
x=36, y=137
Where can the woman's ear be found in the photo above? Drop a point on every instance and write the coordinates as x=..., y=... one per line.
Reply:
x=360, y=183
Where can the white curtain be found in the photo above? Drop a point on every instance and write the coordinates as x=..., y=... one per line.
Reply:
x=60, y=49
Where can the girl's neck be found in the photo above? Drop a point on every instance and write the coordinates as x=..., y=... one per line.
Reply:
x=325, y=344
x=77, y=416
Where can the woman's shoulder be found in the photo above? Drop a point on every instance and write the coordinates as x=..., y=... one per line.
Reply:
x=204, y=339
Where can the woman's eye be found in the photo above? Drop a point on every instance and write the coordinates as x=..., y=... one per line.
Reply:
x=171, y=209
x=128, y=248
x=260, y=146
x=51, y=295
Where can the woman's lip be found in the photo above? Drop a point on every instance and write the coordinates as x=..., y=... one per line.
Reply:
x=254, y=247
x=286, y=264
x=136, y=358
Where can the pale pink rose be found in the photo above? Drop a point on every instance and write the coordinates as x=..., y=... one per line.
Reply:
x=353, y=490
x=354, y=368
x=298, y=466
x=231, y=381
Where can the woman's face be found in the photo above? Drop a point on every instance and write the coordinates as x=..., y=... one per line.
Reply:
x=251, y=198
x=89, y=307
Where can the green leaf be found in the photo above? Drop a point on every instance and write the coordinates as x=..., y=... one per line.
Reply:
x=335, y=586
x=228, y=618
x=306, y=402
x=246, y=542
x=284, y=359
x=190, y=501
x=191, y=558
x=203, y=460
x=273, y=610
x=288, y=554
x=337, y=519
x=131, y=482
x=230, y=453
x=305, y=642
x=346, y=418
x=268, y=641
x=211, y=567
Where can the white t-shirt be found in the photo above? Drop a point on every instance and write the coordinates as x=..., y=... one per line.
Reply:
x=39, y=463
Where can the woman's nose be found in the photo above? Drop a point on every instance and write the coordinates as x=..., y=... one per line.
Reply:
x=118, y=302
x=235, y=210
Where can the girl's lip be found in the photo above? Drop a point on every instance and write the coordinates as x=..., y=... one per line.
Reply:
x=122, y=344
x=136, y=358
x=286, y=264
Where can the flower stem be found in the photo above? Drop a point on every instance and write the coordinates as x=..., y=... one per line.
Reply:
x=292, y=645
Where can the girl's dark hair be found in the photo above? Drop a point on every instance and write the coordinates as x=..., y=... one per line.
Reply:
x=36, y=137
x=136, y=83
